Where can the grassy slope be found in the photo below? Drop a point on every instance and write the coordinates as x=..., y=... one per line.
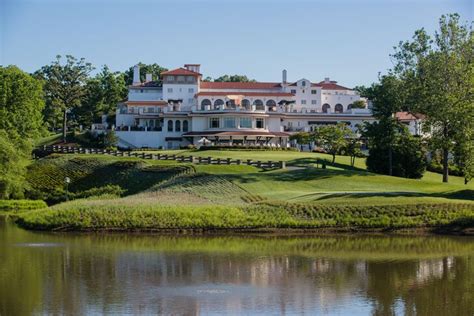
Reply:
x=225, y=196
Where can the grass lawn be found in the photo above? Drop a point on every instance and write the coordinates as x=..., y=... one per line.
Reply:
x=168, y=194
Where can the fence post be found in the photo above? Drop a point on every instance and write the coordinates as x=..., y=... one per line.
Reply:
x=283, y=164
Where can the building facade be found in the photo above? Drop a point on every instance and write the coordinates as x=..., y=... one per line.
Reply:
x=184, y=110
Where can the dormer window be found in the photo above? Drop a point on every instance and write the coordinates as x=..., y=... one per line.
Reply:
x=303, y=83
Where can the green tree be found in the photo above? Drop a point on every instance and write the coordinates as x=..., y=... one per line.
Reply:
x=353, y=149
x=358, y=104
x=154, y=69
x=333, y=138
x=233, y=78
x=407, y=157
x=65, y=85
x=103, y=93
x=438, y=77
x=21, y=104
x=301, y=138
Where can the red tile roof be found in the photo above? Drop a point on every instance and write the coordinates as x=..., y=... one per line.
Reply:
x=331, y=85
x=249, y=94
x=181, y=72
x=240, y=85
x=407, y=116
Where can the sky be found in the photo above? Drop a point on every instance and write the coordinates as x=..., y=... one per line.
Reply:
x=348, y=41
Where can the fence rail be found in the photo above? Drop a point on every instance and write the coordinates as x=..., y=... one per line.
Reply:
x=157, y=156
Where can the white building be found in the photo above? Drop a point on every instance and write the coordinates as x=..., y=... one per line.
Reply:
x=185, y=110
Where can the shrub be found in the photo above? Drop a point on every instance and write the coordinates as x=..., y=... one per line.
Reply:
x=18, y=205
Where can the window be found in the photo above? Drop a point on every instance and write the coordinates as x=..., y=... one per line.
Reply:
x=338, y=108
x=303, y=83
x=229, y=122
x=314, y=102
x=245, y=122
x=141, y=90
x=326, y=108
x=259, y=123
x=245, y=104
x=314, y=91
x=170, y=125
x=170, y=78
x=259, y=105
x=190, y=78
x=180, y=78
x=214, y=122
x=185, y=126
x=293, y=91
x=218, y=104
x=303, y=101
x=191, y=90
x=205, y=103
x=177, y=126
x=170, y=90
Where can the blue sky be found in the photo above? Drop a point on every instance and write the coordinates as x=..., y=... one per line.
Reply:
x=348, y=41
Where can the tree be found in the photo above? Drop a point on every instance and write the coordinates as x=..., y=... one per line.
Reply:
x=103, y=92
x=358, y=104
x=333, y=138
x=393, y=150
x=301, y=138
x=438, y=78
x=21, y=104
x=154, y=69
x=233, y=78
x=353, y=149
x=65, y=85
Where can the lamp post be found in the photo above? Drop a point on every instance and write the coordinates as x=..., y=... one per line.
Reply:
x=67, y=180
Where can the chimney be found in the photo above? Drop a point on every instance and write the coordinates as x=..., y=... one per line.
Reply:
x=148, y=77
x=136, y=75
x=283, y=75
x=326, y=80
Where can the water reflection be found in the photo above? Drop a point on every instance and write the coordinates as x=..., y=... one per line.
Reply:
x=136, y=274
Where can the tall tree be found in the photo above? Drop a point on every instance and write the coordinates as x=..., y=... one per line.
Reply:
x=387, y=98
x=65, y=85
x=103, y=92
x=21, y=104
x=438, y=75
x=154, y=69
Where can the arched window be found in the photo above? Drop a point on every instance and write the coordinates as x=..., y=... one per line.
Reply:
x=349, y=106
x=245, y=104
x=170, y=125
x=259, y=105
x=338, y=108
x=185, y=126
x=271, y=105
x=177, y=126
x=205, y=103
x=326, y=108
x=218, y=104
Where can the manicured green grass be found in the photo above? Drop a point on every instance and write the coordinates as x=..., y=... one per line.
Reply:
x=168, y=195
x=88, y=171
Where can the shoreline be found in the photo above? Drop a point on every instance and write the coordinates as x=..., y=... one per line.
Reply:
x=274, y=232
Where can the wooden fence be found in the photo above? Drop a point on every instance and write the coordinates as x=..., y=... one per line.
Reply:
x=157, y=156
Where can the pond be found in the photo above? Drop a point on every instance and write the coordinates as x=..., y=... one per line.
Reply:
x=99, y=273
